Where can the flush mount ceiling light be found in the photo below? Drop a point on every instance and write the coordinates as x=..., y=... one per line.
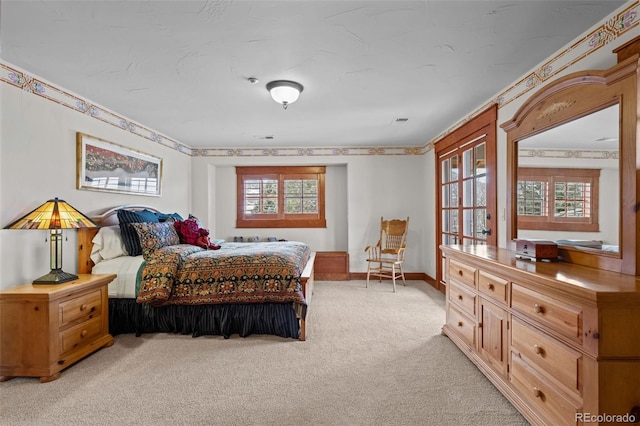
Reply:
x=284, y=92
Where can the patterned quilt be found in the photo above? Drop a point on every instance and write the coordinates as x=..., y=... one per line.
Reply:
x=236, y=273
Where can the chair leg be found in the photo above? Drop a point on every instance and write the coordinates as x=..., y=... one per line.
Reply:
x=393, y=276
x=402, y=275
x=366, y=285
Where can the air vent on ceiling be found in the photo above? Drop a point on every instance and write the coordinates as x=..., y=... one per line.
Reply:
x=270, y=137
x=400, y=120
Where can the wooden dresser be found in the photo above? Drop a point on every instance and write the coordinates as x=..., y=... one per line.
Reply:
x=560, y=341
x=46, y=328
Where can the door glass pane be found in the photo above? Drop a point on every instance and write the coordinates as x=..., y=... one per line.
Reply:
x=454, y=169
x=445, y=221
x=467, y=163
x=453, y=217
x=453, y=194
x=468, y=241
x=467, y=198
x=480, y=159
x=446, y=170
x=445, y=196
x=481, y=192
x=467, y=221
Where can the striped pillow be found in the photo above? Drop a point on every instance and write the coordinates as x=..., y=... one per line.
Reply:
x=129, y=235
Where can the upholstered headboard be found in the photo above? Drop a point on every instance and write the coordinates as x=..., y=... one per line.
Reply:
x=85, y=235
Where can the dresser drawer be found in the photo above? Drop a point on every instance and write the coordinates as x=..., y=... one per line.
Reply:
x=562, y=317
x=463, y=325
x=462, y=297
x=462, y=273
x=548, y=355
x=558, y=409
x=80, y=308
x=492, y=286
x=80, y=334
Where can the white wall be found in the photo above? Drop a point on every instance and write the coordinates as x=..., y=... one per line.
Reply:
x=359, y=190
x=38, y=162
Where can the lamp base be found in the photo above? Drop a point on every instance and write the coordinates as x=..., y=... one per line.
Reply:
x=56, y=276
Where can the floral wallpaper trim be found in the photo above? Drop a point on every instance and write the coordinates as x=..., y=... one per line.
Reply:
x=39, y=87
x=308, y=152
x=597, y=154
x=610, y=30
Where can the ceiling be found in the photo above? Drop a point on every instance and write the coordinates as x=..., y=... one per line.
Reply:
x=182, y=68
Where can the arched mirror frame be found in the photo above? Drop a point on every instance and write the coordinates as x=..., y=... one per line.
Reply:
x=567, y=99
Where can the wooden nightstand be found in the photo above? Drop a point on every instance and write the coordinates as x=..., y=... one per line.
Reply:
x=46, y=328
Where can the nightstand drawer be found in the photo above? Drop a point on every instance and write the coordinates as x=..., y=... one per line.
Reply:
x=562, y=317
x=80, y=334
x=65, y=322
x=81, y=308
x=548, y=354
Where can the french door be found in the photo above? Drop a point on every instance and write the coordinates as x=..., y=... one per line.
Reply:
x=466, y=187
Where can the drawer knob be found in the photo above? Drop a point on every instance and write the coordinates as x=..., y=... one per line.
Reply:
x=538, y=393
x=460, y=324
x=538, y=309
x=459, y=297
x=460, y=272
x=84, y=333
x=538, y=349
x=83, y=307
x=490, y=286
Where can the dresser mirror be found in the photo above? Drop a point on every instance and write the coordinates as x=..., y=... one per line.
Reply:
x=559, y=207
x=586, y=121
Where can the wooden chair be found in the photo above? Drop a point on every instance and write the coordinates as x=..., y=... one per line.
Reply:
x=386, y=257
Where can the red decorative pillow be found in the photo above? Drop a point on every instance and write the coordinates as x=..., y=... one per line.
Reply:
x=187, y=231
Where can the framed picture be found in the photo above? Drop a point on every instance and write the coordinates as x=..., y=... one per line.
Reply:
x=108, y=167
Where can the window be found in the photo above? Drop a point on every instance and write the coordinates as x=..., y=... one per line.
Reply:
x=280, y=197
x=552, y=199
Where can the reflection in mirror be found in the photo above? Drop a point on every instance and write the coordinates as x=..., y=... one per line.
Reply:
x=568, y=187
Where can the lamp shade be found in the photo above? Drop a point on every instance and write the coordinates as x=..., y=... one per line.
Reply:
x=54, y=214
x=284, y=92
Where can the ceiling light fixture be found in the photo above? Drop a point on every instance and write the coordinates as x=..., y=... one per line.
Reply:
x=284, y=92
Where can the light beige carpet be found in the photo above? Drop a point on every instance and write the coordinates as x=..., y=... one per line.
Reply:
x=372, y=358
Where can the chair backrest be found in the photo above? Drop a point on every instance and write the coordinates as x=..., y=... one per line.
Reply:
x=393, y=234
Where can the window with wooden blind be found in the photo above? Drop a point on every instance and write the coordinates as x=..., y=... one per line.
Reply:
x=557, y=199
x=281, y=197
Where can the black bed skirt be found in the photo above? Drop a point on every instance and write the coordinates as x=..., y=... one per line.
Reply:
x=279, y=319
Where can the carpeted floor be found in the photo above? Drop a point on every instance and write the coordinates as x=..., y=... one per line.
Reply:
x=372, y=357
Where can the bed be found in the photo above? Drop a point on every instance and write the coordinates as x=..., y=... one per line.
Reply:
x=240, y=288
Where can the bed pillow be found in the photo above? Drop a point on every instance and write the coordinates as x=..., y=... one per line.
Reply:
x=129, y=235
x=155, y=235
x=187, y=231
x=107, y=244
x=169, y=217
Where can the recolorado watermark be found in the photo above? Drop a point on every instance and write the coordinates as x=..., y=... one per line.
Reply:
x=606, y=418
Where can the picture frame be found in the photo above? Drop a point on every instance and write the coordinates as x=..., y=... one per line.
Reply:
x=108, y=167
